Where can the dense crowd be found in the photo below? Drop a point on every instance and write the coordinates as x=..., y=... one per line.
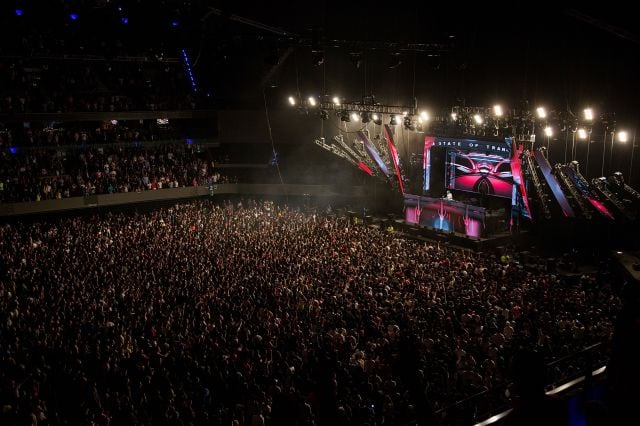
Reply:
x=259, y=314
x=86, y=133
x=49, y=173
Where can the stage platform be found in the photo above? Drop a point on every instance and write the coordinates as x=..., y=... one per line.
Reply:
x=455, y=238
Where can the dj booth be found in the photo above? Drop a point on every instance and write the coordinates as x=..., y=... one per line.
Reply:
x=450, y=216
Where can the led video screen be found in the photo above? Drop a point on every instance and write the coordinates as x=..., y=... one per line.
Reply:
x=479, y=167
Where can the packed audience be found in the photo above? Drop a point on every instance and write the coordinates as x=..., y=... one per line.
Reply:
x=48, y=173
x=85, y=133
x=258, y=314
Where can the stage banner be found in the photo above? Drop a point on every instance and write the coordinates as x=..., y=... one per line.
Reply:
x=545, y=167
x=518, y=182
x=394, y=155
x=364, y=168
x=426, y=161
x=373, y=153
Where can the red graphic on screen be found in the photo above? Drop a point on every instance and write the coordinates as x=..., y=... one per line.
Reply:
x=482, y=173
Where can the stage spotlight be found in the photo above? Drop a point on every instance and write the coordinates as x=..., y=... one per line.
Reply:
x=542, y=113
x=312, y=101
x=124, y=20
x=497, y=110
x=336, y=100
x=582, y=133
x=365, y=117
x=548, y=131
x=408, y=123
x=174, y=24
x=73, y=16
x=377, y=119
x=324, y=114
x=292, y=100
x=454, y=116
x=19, y=12
x=424, y=116
x=355, y=117
x=395, y=120
x=623, y=136
x=588, y=114
x=344, y=116
x=405, y=113
x=478, y=119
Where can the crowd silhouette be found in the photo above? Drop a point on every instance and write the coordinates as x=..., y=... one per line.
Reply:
x=254, y=313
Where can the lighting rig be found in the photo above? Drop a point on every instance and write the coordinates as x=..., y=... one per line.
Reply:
x=491, y=122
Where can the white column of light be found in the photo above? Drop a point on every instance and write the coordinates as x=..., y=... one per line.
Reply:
x=633, y=147
x=604, y=150
x=588, y=116
x=548, y=132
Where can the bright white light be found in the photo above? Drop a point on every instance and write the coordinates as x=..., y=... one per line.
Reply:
x=497, y=110
x=405, y=113
x=355, y=117
x=398, y=119
x=424, y=115
x=375, y=117
x=623, y=136
x=454, y=116
x=582, y=133
x=548, y=131
x=312, y=101
x=478, y=118
x=336, y=100
x=162, y=121
x=114, y=122
x=588, y=114
x=292, y=100
x=542, y=113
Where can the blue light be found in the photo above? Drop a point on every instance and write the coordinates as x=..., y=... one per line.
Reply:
x=187, y=65
x=124, y=20
x=174, y=24
x=13, y=150
x=18, y=12
x=189, y=141
x=73, y=16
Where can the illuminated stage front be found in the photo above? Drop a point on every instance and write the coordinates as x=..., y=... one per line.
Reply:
x=445, y=215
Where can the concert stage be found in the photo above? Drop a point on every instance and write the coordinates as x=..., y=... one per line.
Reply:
x=450, y=216
x=426, y=233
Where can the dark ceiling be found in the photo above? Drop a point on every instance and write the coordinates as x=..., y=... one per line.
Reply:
x=539, y=54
